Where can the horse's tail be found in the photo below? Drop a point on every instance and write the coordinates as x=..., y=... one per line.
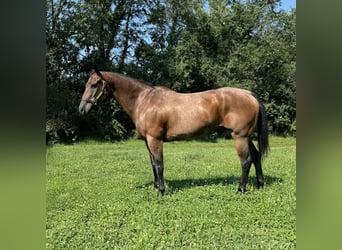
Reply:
x=262, y=128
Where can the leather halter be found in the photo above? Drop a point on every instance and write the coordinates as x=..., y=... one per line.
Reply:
x=96, y=97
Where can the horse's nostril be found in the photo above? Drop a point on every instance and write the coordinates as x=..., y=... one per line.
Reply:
x=81, y=110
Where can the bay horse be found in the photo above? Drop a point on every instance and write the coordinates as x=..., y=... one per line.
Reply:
x=162, y=115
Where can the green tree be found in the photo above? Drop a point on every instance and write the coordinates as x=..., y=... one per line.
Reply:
x=246, y=44
x=80, y=34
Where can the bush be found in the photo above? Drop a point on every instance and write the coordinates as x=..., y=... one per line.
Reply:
x=59, y=130
x=280, y=118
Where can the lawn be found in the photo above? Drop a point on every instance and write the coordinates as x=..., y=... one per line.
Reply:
x=100, y=196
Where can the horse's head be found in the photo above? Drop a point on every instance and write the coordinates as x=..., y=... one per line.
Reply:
x=96, y=90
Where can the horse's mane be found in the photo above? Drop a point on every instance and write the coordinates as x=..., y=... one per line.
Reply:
x=134, y=79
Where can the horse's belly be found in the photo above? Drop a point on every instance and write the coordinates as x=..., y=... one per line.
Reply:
x=188, y=131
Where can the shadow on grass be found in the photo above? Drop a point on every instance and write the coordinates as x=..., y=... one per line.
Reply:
x=175, y=185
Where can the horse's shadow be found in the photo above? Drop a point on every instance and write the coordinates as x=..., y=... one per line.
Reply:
x=173, y=186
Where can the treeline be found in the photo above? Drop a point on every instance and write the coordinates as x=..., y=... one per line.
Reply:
x=188, y=45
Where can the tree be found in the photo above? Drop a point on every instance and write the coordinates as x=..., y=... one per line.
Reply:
x=242, y=44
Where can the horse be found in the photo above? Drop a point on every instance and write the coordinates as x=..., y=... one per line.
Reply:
x=163, y=115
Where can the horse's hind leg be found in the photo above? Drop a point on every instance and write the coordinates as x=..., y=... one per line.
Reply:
x=242, y=148
x=155, y=148
x=257, y=163
x=154, y=170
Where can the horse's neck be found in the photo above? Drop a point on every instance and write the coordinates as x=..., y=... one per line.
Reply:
x=126, y=92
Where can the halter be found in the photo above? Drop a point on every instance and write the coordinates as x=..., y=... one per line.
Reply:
x=95, y=98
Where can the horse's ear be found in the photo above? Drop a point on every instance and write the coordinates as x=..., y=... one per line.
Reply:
x=97, y=71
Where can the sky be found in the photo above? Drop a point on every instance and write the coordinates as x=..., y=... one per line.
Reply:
x=288, y=4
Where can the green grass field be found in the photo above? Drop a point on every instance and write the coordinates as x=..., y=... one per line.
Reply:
x=101, y=196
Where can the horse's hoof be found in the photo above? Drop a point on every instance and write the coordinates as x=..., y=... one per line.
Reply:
x=241, y=190
x=160, y=193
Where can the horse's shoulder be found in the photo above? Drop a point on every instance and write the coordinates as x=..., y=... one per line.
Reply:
x=162, y=91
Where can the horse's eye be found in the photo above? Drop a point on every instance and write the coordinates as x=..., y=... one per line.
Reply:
x=93, y=86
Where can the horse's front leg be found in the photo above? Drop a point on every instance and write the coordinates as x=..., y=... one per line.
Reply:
x=155, y=148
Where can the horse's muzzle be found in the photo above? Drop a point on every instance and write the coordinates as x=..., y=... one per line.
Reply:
x=81, y=110
x=85, y=107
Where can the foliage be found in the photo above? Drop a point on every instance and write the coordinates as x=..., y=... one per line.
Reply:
x=189, y=45
x=101, y=196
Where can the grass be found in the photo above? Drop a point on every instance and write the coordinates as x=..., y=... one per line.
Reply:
x=100, y=196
